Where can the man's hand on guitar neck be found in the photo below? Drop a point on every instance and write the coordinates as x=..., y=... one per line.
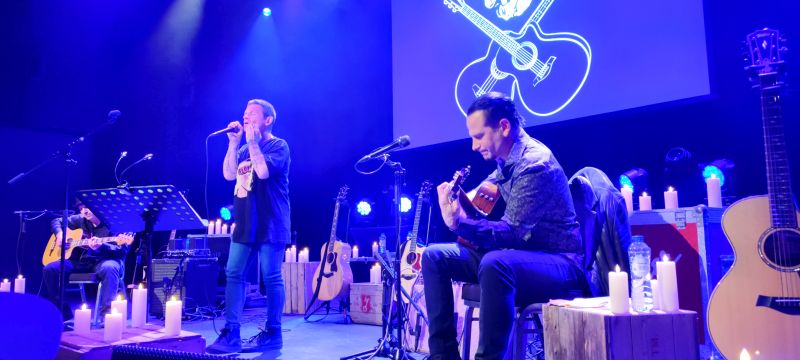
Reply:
x=452, y=212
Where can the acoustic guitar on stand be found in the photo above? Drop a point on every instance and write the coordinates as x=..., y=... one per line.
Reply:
x=412, y=253
x=756, y=305
x=334, y=267
x=52, y=252
x=479, y=203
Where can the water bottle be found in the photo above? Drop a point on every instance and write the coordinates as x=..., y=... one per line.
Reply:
x=641, y=292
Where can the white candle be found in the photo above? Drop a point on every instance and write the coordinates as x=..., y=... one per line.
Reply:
x=224, y=229
x=667, y=284
x=172, y=319
x=355, y=251
x=139, y=307
x=714, y=191
x=210, y=227
x=218, y=226
x=627, y=194
x=744, y=355
x=233, y=227
x=656, y=294
x=671, y=198
x=303, y=257
x=374, y=248
x=113, y=326
x=287, y=257
x=645, y=202
x=5, y=286
x=19, y=285
x=293, y=254
x=83, y=320
x=121, y=305
x=618, y=292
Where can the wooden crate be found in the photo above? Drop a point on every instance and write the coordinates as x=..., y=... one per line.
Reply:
x=92, y=346
x=573, y=333
x=298, y=285
x=366, y=301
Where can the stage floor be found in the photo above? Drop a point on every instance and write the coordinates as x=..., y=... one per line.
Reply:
x=328, y=338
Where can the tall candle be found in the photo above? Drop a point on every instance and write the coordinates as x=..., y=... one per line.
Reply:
x=287, y=257
x=656, y=294
x=627, y=194
x=668, y=284
x=19, y=285
x=618, y=292
x=671, y=198
x=303, y=258
x=714, y=191
x=113, y=326
x=172, y=319
x=224, y=229
x=645, y=202
x=218, y=226
x=294, y=253
x=355, y=251
x=375, y=248
x=83, y=320
x=375, y=274
x=5, y=286
x=210, y=227
x=233, y=227
x=121, y=305
x=139, y=307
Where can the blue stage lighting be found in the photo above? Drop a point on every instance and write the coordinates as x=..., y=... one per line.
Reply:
x=405, y=204
x=225, y=212
x=267, y=12
x=635, y=178
x=363, y=208
x=719, y=168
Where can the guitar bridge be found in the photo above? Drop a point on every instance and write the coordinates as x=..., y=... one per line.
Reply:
x=785, y=305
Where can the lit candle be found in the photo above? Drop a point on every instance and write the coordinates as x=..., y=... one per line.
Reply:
x=671, y=198
x=121, y=305
x=233, y=227
x=218, y=226
x=355, y=251
x=287, y=256
x=744, y=355
x=303, y=258
x=113, y=326
x=627, y=194
x=656, y=294
x=375, y=248
x=224, y=229
x=19, y=285
x=139, y=307
x=375, y=274
x=667, y=284
x=172, y=319
x=83, y=320
x=294, y=253
x=645, y=202
x=714, y=191
x=618, y=291
x=210, y=227
x=5, y=286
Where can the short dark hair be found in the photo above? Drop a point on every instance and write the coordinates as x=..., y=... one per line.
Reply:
x=266, y=108
x=497, y=106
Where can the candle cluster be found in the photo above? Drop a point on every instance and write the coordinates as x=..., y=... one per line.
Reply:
x=713, y=191
x=665, y=288
x=218, y=227
x=19, y=285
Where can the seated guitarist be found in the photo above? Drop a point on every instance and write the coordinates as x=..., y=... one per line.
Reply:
x=107, y=260
x=530, y=255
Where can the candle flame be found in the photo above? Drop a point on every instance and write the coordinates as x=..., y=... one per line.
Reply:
x=5, y=280
x=713, y=176
x=644, y=193
x=141, y=286
x=174, y=298
x=219, y=221
x=670, y=189
x=617, y=268
x=626, y=186
x=119, y=297
x=305, y=249
x=83, y=307
x=19, y=276
x=294, y=247
x=375, y=243
x=355, y=247
x=744, y=355
x=665, y=258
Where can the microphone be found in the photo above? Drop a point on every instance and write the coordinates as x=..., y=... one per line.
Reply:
x=399, y=143
x=113, y=115
x=144, y=158
x=224, y=131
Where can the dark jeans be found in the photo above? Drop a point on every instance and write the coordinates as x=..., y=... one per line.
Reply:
x=271, y=257
x=108, y=271
x=506, y=277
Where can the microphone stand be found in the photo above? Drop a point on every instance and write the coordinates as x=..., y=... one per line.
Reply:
x=66, y=155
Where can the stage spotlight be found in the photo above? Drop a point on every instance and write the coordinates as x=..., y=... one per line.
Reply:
x=721, y=168
x=363, y=208
x=267, y=12
x=405, y=204
x=225, y=212
x=635, y=178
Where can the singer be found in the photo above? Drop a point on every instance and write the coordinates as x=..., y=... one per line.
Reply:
x=260, y=168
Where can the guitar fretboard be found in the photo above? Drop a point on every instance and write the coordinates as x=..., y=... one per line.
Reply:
x=779, y=184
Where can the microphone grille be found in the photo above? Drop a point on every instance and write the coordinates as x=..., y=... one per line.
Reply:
x=404, y=140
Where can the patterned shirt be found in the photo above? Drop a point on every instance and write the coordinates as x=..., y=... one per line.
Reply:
x=539, y=212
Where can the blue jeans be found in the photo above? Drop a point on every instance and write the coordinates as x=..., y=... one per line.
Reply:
x=271, y=257
x=109, y=272
x=507, y=278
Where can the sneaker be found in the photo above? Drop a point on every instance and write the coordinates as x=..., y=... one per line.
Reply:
x=228, y=342
x=269, y=339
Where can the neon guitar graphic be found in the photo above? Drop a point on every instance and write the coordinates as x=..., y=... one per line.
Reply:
x=544, y=72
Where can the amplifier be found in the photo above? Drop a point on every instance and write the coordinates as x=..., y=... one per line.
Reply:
x=193, y=280
x=190, y=243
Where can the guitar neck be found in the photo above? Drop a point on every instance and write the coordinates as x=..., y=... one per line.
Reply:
x=332, y=238
x=488, y=28
x=86, y=242
x=415, y=229
x=779, y=183
x=538, y=14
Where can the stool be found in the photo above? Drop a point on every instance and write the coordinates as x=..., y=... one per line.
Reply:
x=82, y=279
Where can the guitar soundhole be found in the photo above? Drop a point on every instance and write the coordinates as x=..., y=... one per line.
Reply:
x=781, y=250
x=329, y=259
x=411, y=258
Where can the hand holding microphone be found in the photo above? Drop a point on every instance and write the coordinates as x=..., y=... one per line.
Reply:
x=235, y=132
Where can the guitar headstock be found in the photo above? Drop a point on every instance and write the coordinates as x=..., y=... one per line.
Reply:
x=454, y=5
x=342, y=193
x=125, y=239
x=424, y=189
x=458, y=179
x=764, y=59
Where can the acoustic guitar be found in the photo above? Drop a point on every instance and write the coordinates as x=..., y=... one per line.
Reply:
x=479, y=204
x=334, y=266
x=412, y=253
x=756, y=305
x=52, y=252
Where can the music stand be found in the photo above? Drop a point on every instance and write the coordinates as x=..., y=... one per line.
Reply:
x=144, y=209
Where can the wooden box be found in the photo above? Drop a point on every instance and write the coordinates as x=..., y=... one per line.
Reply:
x=92, y=346
x=298, y=285
x=575, y=333
x=366, y=301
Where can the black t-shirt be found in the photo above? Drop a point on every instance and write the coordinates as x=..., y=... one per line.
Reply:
x=261, y=206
